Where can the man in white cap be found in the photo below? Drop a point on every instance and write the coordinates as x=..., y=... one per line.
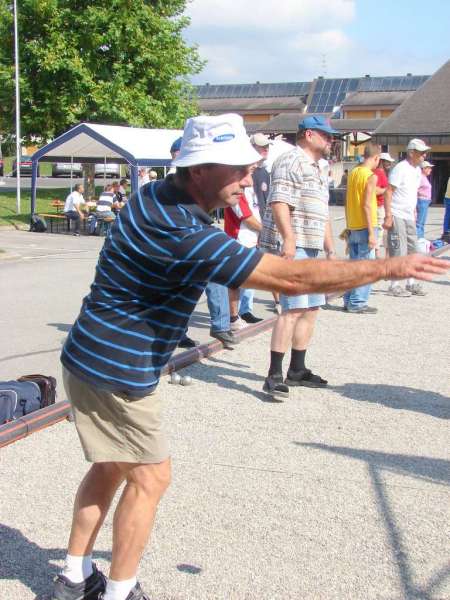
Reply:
x=153, y=268
x=400, y=202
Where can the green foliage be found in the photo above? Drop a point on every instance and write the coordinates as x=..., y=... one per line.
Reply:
x=119, y=62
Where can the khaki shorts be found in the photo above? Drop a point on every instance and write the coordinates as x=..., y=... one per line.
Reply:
x=114, y=427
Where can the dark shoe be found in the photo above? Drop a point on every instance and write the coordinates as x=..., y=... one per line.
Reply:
x=362, y=310
x=187, y=342
x=137, y=593
x=305, y=378
x=90, y=589
x=274, y=386
x=226, y=337
x=249, y=318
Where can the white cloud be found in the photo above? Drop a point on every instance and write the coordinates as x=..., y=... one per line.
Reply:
x=285, y=15
x=267, y=40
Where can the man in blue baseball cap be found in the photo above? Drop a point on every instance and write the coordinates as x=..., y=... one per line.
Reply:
x=296, y=226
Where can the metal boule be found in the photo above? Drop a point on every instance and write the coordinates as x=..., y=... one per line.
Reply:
x=175, y=378
x=186, y=380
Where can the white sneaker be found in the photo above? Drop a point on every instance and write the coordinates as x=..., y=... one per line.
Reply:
x=238, y=324
x=416, y=289
x=399, y=292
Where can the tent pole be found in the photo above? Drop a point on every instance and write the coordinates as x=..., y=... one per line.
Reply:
x=71, y=173
x=34, y=170
x=104, y=171
x=134, y=178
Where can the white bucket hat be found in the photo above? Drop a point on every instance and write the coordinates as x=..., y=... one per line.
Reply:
x=220, y=139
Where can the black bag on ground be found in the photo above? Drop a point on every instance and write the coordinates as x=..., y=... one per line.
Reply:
x=47, y=385
x=38, y=224
x=18, y=398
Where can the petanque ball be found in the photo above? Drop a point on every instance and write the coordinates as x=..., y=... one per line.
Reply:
x=186, y=380
x=175, y=378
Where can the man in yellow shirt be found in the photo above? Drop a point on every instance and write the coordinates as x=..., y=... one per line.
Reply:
x=361, y=214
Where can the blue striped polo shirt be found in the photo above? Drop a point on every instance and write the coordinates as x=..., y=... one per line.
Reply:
x=154, y=265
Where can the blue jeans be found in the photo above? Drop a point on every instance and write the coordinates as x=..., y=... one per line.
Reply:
x=422, y=211
x=446, y=215
x=218, y=306
x=359, y=250
x=245, y=301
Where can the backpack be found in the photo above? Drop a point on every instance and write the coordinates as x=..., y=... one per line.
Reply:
x=37, y=224
x=47, y=386
x=18, y=398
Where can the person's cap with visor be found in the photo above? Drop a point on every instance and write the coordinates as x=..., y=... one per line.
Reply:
x=220, y=139
x=417, y=144
x=318, y=122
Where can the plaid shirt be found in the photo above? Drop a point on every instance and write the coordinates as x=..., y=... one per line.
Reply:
x=302, y=184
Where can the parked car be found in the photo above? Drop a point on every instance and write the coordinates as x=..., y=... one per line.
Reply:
x=64, y=169
x=25, y=167
x=108, y=170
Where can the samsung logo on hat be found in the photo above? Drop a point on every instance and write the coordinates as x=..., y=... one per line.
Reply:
x=225, y=137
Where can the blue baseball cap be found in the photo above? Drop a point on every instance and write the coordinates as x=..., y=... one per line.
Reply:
x=175, y=147
x=319, y=122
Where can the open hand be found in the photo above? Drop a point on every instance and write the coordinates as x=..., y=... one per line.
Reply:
x=417, y=266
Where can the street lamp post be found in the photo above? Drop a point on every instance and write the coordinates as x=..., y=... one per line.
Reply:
x=18, y=148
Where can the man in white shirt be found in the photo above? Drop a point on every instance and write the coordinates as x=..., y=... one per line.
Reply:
x=72, y=208
x=400, y=206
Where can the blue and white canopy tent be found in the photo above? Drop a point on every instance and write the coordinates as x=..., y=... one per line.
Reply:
x=92, y=143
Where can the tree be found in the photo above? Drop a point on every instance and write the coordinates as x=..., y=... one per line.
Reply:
x=120, y=62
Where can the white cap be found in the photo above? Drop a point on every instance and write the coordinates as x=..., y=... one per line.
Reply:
x=386, y=156
x=220, y=139
x=259, y=139
x=426, y=164
x=418, y=145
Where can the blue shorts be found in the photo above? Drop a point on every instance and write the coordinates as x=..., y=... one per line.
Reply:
x=304, y=300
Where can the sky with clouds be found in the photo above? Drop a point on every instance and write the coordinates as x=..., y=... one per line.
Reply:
x=296, y=40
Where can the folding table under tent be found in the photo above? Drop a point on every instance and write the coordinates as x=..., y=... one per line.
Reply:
x=91, y=143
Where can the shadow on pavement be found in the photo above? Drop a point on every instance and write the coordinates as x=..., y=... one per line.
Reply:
x=12, y=356
x=61, y=326
x=432, y=470
x=398, y=397
x=224, y=377
x=27, y=562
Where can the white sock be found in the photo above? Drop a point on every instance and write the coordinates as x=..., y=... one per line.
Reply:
x=119, y=590
x=78, y=568
x=410, y=281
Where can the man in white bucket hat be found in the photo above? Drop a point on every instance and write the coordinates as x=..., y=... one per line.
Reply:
x=155, y=263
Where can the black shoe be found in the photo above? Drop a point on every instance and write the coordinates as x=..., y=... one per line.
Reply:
x=305, y=378
x=274, y=386
x=363, y=310
x=137, y=593
x=89, y=589
x=249, y=318
x=226, y=337
x=187, y=342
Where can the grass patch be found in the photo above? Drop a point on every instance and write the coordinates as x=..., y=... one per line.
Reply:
x=44, y=197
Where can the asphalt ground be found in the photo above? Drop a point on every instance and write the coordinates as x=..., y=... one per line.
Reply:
x=339, y=493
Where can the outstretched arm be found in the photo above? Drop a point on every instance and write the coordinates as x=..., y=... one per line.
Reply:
x=292, y=277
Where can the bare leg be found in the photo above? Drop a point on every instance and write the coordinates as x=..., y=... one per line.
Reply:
x=234, y=302
x=276, y=297
x=135, y=513
x=304, y=329
x=92, y=503
x=283, y=330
